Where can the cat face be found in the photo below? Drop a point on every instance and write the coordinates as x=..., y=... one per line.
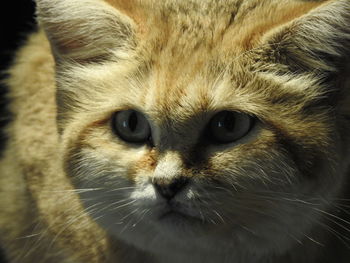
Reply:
x=174, y=135
x=167, y=161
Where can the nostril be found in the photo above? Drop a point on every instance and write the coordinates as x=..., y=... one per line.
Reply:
x=177, y=184
x=168, y=189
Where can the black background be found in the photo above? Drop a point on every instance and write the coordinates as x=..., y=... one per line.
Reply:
x=16, y=21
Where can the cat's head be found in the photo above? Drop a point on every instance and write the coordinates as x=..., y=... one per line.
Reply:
x=218, y=121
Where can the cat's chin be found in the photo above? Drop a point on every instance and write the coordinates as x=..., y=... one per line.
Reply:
x=173, y=216
x=170, y=232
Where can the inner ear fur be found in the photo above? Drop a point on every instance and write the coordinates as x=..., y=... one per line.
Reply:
x=85, y=30
x=317, y=42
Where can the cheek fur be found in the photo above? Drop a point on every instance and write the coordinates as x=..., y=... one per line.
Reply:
x=99, y=149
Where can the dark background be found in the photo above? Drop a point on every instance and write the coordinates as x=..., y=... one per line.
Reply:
x=16, y=21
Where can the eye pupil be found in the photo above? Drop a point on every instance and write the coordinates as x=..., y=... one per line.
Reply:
x=227, y=122
x=133, y=121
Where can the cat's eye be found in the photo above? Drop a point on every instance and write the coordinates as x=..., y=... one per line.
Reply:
x=131, y=126
x=229, y=126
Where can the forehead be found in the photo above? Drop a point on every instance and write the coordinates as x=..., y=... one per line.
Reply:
x=185, y=24
x=225, y=26
x=193, y=87
x=192, y=60
x=198, y=51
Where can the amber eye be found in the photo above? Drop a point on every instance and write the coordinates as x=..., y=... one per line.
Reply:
x=131, y=126
x=229, y=126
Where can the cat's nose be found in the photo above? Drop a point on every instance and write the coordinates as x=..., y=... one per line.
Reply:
x=169, y=188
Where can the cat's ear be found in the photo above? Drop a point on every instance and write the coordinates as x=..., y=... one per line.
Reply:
x=317, y=41
x=85, y=30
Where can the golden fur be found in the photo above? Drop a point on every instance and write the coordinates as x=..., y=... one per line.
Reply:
x=179, y=62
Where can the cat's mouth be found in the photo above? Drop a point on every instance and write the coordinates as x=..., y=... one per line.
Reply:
x=175, y=213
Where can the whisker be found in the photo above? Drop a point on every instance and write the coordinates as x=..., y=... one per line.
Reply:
x=334, y=216
x=143, y=214
x=219, y=216
x=123, y=205
x=313, y=240
x=338, y=235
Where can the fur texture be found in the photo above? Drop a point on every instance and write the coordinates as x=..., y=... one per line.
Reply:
x=71, y=191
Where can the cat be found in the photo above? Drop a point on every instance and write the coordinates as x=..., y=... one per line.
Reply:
x=179, y=131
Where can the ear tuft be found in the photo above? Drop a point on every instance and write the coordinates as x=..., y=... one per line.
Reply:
x=85, y=30
x=318, y=41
